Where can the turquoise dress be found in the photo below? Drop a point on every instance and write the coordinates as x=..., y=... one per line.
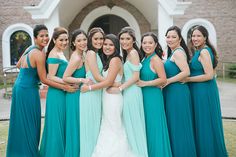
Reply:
x=133, y=113
x=209, y=134
x=156, y=126
x=90, y=116
x=25, y=118
x=178, y=114
x=72, y=147
x=53, y=140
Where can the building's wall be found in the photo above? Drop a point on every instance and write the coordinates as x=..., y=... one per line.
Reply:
x=222, y=14
x=12, y=12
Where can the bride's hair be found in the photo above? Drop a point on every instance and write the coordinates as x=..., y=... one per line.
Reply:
x=106, y=59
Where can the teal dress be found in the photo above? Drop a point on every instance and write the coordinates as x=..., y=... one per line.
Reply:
x=53, y=140
x=25, y=118
x=133, y=113
x=72, y=147
x=90, y=116
x=178, y=114
x=156, y=126
x=209, y=134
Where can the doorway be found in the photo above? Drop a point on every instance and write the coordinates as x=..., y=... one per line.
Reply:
x=110, y=24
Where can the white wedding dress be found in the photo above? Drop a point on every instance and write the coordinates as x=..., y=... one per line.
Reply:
x=112, y=140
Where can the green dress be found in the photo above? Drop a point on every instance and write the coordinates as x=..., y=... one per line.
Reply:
x=133, y=113
x=25, y=119
x=209, y=134
x=53, y=140
x=90, y=116
x=72, y=147
x=178, y=114
x=156, y=126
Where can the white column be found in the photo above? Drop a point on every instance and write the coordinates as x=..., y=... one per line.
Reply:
x=164, y=22
x=53, y=21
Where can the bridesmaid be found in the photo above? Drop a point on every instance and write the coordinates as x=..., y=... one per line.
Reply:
x=152, y=76
x=91, y=102
x=25, y=119
x=53, y=140
x=75, y=74
x=205, y=97
x=177, y=96
x=133, y=112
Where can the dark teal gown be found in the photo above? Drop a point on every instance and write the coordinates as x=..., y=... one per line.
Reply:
x=72, y=148
x=178, y=114
x=209, y=134
x=53, y=140
x=156, y=126
x=25, y=118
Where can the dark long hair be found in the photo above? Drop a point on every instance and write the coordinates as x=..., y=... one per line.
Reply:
x=182, y=42
x=38, y=28
x=205, y=34
x=158, y=49
x=56, y=33
x=74, y=34
x=131, y=32
x=106, y=59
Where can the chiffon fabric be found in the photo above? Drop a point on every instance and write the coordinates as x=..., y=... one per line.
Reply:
x=209, y=135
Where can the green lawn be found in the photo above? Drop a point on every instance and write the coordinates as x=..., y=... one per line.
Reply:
x=229, y=130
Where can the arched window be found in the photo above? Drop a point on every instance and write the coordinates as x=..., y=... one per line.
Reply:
x=19, y=41
x=194, y=22
x=14, y=40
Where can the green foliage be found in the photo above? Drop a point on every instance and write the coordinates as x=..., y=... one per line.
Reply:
x=232, y=71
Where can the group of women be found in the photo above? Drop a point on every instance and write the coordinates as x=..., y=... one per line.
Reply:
x=114, y=99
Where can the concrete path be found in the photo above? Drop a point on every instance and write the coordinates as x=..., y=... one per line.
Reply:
x=227, y=96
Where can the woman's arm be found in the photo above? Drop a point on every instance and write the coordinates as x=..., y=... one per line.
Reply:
x=91, y=59
x=39, y=59
x=134, y=59
x=74, y=63
x=114, y=68
x=180, y=60
x=158, y=66
x=206, y=62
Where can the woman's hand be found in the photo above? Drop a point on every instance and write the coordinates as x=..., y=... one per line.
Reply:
x=185, y=80
x=70, y=88
x=87, y=81
x=84, y=88
x=141, y=83
x=167, y=83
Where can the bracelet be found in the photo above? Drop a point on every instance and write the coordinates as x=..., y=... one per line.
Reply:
x=120, y=89
x=90, y=88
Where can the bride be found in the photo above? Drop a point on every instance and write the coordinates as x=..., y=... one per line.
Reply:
x=112, y=140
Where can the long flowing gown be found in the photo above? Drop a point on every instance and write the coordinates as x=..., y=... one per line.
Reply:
x=112, y=139
x=90, y=116
x=178, y=114
x=156, y=126
x=133, y=113
x=25, y=118
x=209, y=134
x=53, y=140
x=72, y=147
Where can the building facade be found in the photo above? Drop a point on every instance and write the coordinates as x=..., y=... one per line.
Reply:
x=17, y=19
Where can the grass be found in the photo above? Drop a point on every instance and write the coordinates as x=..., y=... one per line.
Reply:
x=226, y=79
x=229, y=131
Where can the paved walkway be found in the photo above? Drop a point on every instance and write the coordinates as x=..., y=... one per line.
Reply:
x=227, y=96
